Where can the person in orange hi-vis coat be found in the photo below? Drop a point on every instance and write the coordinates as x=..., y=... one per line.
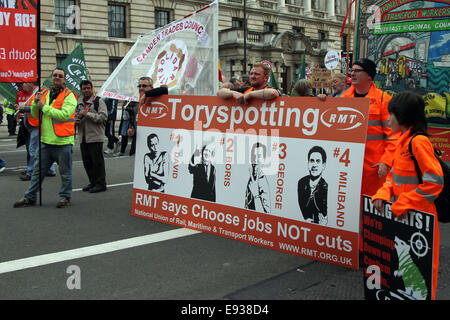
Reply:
x=402, y=185
x=380, y=143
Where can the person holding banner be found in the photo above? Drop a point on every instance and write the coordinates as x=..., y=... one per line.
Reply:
x=402, y=185
x=145, y=83
x=57, y=106
x=259, y=76
x=380, y=143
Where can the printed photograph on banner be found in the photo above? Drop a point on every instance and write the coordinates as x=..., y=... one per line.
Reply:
x=241, y=171
x=397, y=254
x=315, y=180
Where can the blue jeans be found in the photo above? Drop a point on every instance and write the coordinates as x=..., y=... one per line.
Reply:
x=32, y=149
x=62, y=155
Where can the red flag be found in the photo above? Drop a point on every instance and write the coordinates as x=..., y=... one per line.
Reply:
x=18, y=43
x=346, y=17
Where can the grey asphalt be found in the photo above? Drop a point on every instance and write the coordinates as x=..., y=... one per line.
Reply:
x=194, y=267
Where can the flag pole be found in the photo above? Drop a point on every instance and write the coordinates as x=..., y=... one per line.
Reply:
x=38, y=34
x=245, y=37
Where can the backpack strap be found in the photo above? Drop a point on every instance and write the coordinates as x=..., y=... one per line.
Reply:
x=96, y=103
x=413, y=158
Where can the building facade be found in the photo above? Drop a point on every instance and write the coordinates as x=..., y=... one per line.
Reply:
x=280, y=31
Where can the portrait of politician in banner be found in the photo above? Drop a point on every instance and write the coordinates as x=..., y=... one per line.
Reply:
x=156, y=165
x=257, y=195
x=313, y=189
x=204, y=174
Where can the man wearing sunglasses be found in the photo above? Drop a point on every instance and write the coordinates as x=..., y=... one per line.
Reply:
x=146, y=90
x=380, y=146
x=56, y=107
x=145, y=83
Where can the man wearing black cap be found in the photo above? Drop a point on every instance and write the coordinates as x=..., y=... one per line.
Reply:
x=379, y=144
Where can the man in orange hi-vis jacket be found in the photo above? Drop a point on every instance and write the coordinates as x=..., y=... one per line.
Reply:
x=403, y=186
x=380, y=145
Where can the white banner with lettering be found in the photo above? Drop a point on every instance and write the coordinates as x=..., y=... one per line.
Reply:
x=182, y=55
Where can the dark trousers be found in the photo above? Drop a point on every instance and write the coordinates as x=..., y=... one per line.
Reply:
x=94, y=163
x=12, y=123
x=109, y=133
x=124, y=144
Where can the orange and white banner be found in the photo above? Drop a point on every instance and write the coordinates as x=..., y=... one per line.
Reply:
x=18, y=41
x=283, y=174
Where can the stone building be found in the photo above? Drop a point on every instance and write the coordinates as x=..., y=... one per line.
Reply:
x=280, y=31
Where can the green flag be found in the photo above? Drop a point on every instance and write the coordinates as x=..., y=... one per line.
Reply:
x=302, y=72
x=301, y=75
x=75, y=69
x=9, y=91
x=273, y=81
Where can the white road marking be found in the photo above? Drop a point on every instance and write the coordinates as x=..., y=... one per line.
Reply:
x=109, y=185
x=45, y=259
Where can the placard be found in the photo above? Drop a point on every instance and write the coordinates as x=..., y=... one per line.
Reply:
x=18, y=43
x=282, y=174
x=397, y=254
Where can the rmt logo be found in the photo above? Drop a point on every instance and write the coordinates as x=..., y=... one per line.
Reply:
x=342, y=118
x=154, y=110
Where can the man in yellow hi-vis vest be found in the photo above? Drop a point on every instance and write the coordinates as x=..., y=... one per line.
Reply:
x=10, y=117
x=57, y=109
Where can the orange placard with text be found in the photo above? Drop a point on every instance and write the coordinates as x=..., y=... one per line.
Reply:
x=283, y=174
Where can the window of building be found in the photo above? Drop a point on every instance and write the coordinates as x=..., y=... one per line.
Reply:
x=113, y=63
x=318, y=4
x=269, y=27
x=297, y=30
x=237, y=23
x=117, y=21
x=64, y=16
x=60, y=58
x=162, y=17
x=322, y=35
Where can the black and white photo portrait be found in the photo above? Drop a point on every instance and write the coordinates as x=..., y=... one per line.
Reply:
x=313, y=189
x=257, y=195
x=204, y=174
x=156, y=167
